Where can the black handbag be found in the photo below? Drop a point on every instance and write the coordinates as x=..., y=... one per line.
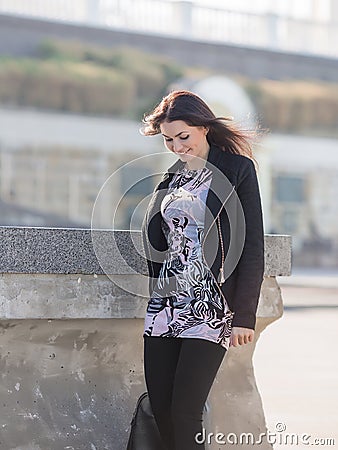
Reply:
x=144, y=434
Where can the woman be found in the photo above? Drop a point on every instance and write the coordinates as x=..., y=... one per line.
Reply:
x=204, y=243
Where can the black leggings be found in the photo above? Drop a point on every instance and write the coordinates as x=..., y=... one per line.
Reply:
x=179, y=373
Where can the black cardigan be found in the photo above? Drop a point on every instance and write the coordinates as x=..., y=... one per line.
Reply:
x=234, y=178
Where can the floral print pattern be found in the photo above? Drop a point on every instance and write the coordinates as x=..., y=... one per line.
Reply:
x=186, y=301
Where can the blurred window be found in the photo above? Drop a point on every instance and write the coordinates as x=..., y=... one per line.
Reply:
x=289, y=189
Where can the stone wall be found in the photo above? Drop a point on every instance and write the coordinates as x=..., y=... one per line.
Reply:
x=71, y=341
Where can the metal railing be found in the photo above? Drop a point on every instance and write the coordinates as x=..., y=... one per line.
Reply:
x=188, y=20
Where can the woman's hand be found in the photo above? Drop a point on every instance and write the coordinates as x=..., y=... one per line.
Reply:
x=240, y=336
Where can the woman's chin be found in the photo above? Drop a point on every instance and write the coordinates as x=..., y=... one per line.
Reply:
x=187, y=155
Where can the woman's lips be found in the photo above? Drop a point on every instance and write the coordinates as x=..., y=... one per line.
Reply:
x=183, y=153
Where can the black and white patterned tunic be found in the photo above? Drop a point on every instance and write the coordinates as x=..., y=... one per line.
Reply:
x=186, y=301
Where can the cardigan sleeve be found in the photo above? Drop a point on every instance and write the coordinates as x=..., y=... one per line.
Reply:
x=250, y=268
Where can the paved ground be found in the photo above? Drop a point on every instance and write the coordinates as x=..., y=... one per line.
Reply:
x=296, y=362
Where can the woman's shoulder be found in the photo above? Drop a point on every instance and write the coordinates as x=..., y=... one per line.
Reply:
x=236, y=163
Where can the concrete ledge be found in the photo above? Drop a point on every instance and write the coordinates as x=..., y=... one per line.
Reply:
x=56, y=296
x=277, y=255
x=54, y=273
x=70, y=379
x=68, y=250
x=71, y=250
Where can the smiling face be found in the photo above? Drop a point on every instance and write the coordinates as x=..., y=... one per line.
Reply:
x=186, y=142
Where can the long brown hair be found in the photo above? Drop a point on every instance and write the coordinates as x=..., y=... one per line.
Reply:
x=191, y=109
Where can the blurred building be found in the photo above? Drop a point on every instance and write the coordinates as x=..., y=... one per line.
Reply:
x=57, y=163
x=304, y=181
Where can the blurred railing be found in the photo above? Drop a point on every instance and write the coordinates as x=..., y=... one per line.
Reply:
x=187, y=20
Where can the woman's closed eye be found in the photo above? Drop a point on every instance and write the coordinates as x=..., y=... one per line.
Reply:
x=183, y=138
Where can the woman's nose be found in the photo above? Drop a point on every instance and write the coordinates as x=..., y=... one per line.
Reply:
x=178, y=147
